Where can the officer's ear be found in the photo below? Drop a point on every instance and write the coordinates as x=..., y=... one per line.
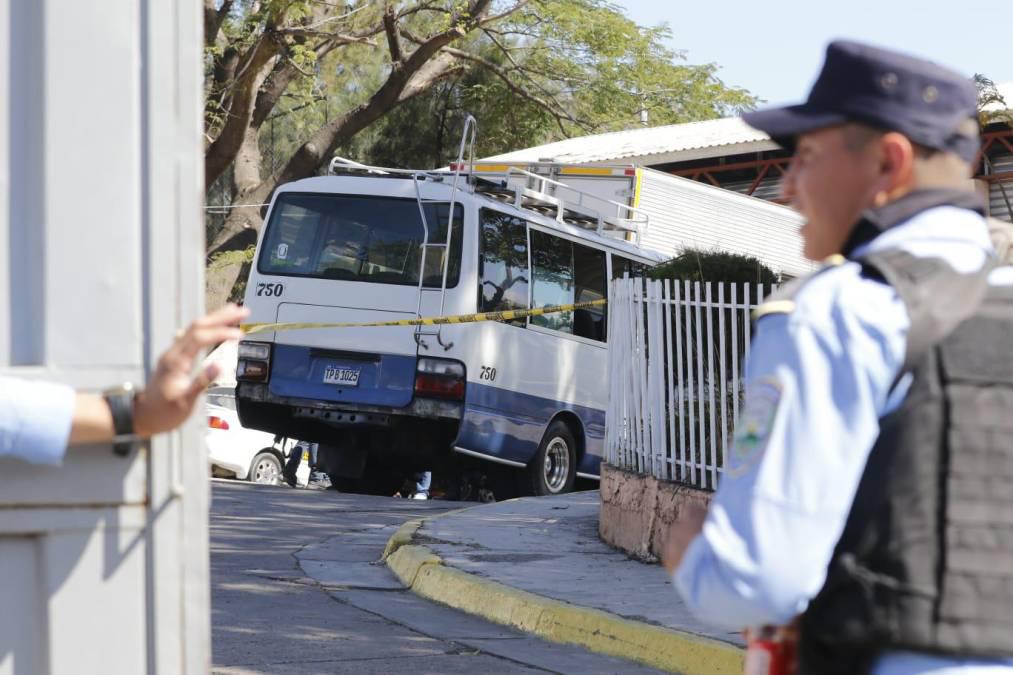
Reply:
x=895, y=155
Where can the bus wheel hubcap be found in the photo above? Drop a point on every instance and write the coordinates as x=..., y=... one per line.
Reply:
x=557, y=464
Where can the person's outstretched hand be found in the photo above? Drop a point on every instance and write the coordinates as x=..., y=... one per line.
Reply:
x=170, y=394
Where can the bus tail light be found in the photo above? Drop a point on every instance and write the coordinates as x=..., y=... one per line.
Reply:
x=439, y=378
x=218, y=423
x=254, y=363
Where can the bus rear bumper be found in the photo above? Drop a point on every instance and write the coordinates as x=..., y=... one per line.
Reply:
x=426, y=424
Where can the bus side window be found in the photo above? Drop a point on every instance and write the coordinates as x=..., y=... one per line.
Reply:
x=631, y=268
x=503, y=266
x=589, y=283
x=552, y=279
x=564, y=273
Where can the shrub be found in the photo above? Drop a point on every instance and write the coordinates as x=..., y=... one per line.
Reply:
x=721, y=266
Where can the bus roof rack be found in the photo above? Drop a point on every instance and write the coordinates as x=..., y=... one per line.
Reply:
x=530, y=191
x=582, y=209
x=340, y=165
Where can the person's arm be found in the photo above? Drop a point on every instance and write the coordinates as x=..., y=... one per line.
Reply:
x=170, y=394
x=38, y=420
x=815, y=387
x=35, y=419
x=92, y=421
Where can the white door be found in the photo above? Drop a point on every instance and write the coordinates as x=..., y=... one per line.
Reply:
x=103, y=560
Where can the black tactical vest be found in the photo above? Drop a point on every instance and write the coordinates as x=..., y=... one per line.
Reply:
x=925, y=562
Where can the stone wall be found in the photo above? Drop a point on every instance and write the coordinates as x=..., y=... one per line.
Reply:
x=637, y=510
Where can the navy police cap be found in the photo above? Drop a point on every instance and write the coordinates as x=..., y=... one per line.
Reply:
x=931, y=105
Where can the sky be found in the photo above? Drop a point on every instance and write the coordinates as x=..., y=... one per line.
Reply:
x=774, y=48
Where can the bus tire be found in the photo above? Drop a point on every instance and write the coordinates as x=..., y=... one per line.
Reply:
x=554, y=469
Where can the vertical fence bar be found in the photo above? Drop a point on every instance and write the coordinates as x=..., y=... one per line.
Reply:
x=630, y=377
x=658, y=434
x=623, y=373
x=677, y=287
x=713, y=445
x=609, y=412
x=643, y=428
x=734, y=314
x=701, y=379
x=746, y=318
x=689, y=381
x=723, y=356
x=657, y=354
x=613, y=405
x=669, y=372
x=650, y=361
x=643, y=314
x=631, y=381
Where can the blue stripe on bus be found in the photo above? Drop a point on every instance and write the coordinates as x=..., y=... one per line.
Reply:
x=296, y=372
x=509, y=425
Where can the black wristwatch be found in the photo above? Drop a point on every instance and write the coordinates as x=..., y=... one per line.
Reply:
x=121, y=404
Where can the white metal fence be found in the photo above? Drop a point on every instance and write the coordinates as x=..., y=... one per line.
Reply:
x=675, y=359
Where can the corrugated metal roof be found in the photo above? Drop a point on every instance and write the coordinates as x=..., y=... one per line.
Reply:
x=670, y=143
x=647, y=145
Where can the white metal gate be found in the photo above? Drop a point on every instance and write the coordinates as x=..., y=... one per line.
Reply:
x=103, y=560
x=675, y=357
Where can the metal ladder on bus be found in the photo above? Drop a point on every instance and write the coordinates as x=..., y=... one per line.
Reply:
x=470, y=125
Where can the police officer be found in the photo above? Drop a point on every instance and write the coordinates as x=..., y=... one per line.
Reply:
x=867, y=490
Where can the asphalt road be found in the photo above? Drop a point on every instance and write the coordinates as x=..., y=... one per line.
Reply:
x=295, y=590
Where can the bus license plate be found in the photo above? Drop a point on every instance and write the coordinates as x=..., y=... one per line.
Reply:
x=346, y=377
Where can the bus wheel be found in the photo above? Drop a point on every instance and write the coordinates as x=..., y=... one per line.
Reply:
x=554, y=469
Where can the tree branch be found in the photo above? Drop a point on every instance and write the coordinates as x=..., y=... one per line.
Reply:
x=439, y=68
x=213, y=19
x=413, y=78
x=239, y=112
x=526, y=72
x=550, y=106
x=502, y=15
x=390, y=26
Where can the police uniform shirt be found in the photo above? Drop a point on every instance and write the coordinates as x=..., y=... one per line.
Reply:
x=35, y=419
x=818, y=379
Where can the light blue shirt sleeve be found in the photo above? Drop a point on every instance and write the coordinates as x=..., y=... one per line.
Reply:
x=35, y=419
x=817, y=381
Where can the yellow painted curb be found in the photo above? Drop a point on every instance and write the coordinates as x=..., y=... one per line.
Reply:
x=402, y=537
x=423, y=571
x=407, y=561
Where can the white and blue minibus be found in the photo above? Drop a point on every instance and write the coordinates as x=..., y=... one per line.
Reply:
x=371, y=247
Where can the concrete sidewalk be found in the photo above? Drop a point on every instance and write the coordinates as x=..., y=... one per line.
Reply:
x=537, y=564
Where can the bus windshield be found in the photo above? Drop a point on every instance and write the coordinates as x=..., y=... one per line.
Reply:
x=359, y=238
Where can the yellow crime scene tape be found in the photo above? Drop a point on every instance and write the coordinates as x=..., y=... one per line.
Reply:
x=509, y=315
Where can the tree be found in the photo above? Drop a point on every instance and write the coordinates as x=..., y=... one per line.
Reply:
x=604, y=68
x=567, y=65
x=992, y=105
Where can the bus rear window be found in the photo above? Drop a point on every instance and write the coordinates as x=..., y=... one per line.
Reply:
x=359, y=238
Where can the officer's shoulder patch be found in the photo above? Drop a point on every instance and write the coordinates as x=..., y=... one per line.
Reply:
x=752, y=432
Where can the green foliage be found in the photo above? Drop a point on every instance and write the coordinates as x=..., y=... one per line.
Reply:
x=721, y=266
x=988, y=94
x=574, y=67
x=226, y=258
x=611, y=69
